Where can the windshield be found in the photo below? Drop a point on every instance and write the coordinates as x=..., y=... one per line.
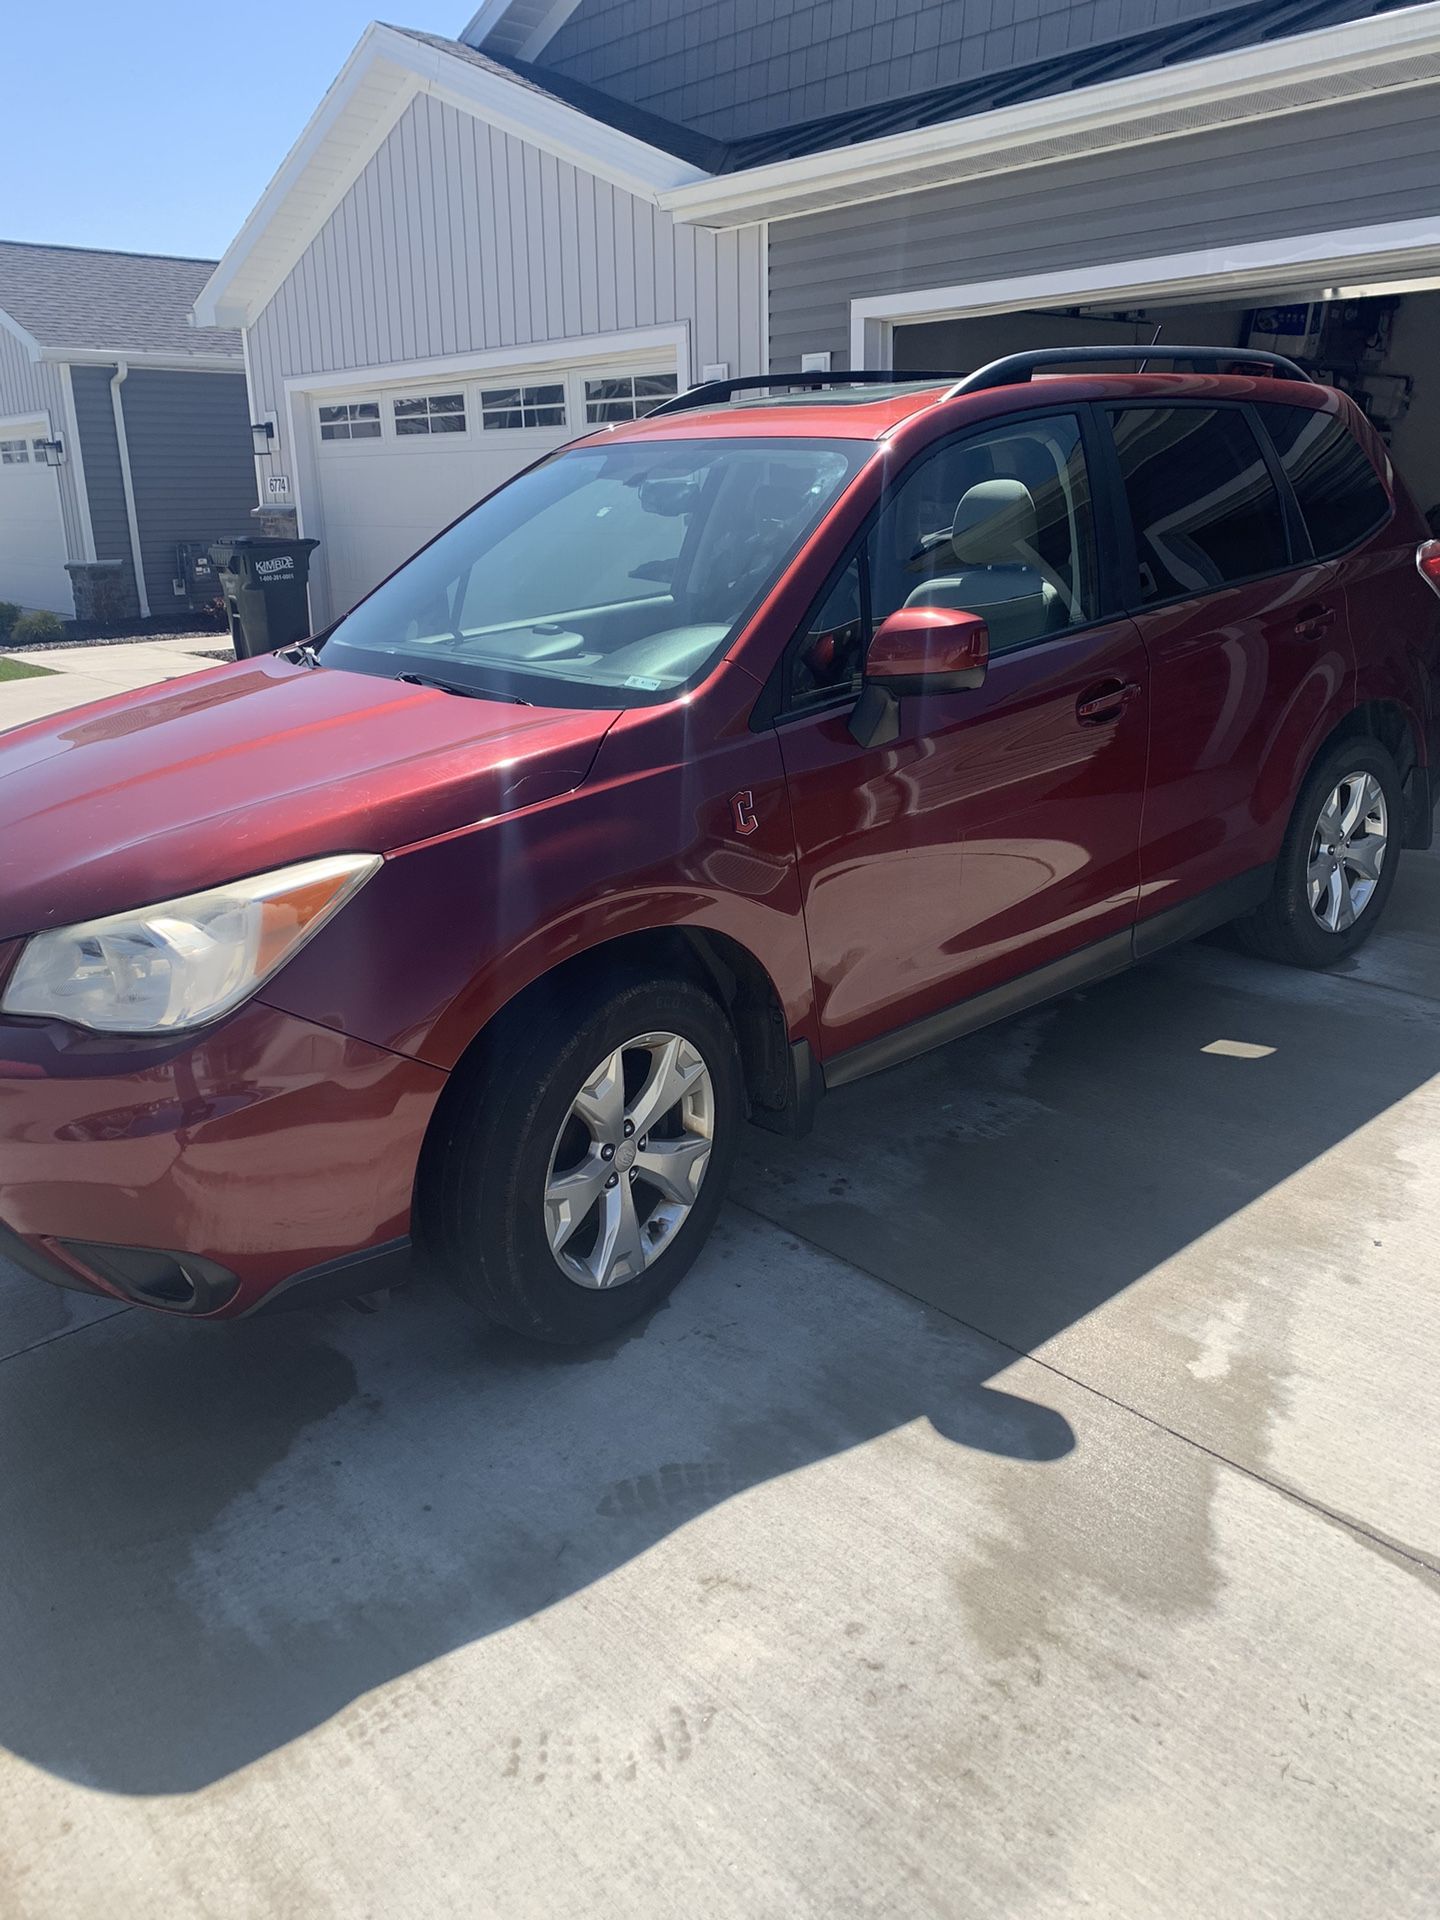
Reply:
x=610, y=575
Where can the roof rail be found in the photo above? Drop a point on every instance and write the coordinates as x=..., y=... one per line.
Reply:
x=712, y=392
x=1016, y=368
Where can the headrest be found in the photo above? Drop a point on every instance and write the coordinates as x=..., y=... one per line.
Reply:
x=994, y=523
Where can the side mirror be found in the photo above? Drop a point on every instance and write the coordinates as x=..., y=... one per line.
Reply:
x=917, y=650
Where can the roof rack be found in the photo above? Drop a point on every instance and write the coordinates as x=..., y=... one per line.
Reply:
x=1016, y=368
x=712, y=392
x=1013, y=370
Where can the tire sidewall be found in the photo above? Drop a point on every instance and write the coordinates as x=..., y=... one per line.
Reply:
x=1316, y=946
x=505, y=1246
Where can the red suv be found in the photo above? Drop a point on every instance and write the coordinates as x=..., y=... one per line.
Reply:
x=715, y=761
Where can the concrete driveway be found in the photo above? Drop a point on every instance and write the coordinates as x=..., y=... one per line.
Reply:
x=71, y=676
x=1027, y=1508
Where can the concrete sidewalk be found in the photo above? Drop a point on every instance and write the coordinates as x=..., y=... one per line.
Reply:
x=1096, y=1576
x=75, y=675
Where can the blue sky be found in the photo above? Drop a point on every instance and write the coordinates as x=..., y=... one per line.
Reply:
x=154, y=125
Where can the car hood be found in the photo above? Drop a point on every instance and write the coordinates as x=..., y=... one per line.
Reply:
x=251, y=766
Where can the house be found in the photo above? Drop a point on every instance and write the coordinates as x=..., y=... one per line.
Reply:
x=482, y=246
x=123, y=429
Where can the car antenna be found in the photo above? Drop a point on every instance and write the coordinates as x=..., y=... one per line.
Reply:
x=1153, y=338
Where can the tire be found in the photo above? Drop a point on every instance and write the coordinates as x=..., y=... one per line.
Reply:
x=1286, y=928
x=508, y=1133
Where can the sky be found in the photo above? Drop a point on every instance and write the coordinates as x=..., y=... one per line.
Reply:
x=153, y=126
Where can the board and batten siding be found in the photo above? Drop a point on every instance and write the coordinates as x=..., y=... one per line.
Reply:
x=458, y=238
x=38, y=387
x=1367, y=162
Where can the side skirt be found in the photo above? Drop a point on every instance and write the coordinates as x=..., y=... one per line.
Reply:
x=1099, y=961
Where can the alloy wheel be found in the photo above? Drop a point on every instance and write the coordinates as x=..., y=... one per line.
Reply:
x=628, y=1160
x=1347, y=852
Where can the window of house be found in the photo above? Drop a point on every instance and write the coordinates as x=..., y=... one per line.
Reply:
x=351, y=420
x=1339, y=491
x=430, y=413
x=14, y=453
x=1205, y=509
x=505, y=409
x=625, y=396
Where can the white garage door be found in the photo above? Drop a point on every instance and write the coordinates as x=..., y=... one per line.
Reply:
x=397, y=463
x=32, y=534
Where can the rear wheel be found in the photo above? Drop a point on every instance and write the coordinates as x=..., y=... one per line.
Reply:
x=1338, y=862
x=578, y=1170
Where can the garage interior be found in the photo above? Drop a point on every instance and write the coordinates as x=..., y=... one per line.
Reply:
x=1377, y=342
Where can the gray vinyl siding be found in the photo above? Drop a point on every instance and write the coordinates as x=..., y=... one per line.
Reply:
x=37, y=386
x=1370, y=161
x=190, y=464
x=95, y=417
x=753, y=65
x=458, y=238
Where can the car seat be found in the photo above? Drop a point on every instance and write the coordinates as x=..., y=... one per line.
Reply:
x=997, y=573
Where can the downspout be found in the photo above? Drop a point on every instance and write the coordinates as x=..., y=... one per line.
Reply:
x=117, y=380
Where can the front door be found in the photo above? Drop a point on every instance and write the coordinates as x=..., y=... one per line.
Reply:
x=1000, y=831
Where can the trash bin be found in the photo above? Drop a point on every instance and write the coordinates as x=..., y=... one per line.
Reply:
x=264, y=586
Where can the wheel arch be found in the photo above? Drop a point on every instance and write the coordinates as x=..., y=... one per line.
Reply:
x=1394, y=727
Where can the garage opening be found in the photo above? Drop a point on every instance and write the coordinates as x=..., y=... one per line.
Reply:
x=1381, y=345
x=32, y=532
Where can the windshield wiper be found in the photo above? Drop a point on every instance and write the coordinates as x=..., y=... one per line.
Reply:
x=302, y=653
x=467, y=693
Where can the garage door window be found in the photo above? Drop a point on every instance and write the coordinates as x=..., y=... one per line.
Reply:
x=625, y=396
x=430, y=413
x=14, y=453
x=354, y=420
x=1206, y=511
x=509, y=409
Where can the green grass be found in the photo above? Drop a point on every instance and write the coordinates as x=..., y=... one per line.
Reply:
x=21, y=670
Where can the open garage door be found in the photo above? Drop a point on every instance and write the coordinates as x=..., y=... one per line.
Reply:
x=32, y=533
x=1380, y=343
x=395, y=463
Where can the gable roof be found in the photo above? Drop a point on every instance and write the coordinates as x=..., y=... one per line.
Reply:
x=83, y=300
x=1268, y=57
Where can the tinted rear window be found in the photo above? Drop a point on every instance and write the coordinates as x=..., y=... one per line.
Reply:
x=1339, y=491
x=1205, y=509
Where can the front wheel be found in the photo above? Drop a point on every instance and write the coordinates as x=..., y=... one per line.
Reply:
x=1338, y=861
x=577, y=1171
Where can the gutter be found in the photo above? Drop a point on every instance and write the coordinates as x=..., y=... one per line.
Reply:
x=117, y=380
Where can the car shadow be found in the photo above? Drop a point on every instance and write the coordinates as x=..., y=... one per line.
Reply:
x=217, y=1538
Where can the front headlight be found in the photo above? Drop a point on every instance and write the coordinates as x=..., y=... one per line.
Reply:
x=185, y=962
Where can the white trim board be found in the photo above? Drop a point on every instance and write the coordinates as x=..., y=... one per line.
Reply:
x=1330, y=64
x=596, y=347
x=14, y=423
x=1339, y=258
x=75, y=454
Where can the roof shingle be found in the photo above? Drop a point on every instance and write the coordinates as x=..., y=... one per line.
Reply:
x=119, y=303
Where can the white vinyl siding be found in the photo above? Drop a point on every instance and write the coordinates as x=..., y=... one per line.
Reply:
x=38, y=387
x=457, y=238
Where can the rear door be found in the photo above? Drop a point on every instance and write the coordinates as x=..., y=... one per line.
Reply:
x=1000, y=831
x=1249, y=652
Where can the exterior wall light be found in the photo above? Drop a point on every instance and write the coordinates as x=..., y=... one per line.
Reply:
x=262, y=432
x=51, y=451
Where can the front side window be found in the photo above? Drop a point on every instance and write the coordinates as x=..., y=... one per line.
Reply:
x=610, y=575
x=998, y=524
x=1205, y=510
x=507, y=409
x=1340, y=495
x=353, y=420
x=429, y=414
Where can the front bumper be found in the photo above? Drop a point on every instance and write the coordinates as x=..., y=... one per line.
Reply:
x=254, y=1158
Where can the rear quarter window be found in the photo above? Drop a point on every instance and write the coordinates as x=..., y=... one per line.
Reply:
x=1340, y=493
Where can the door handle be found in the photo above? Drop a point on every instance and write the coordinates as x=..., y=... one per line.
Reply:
x=1313, y=621
x=1106, y=702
